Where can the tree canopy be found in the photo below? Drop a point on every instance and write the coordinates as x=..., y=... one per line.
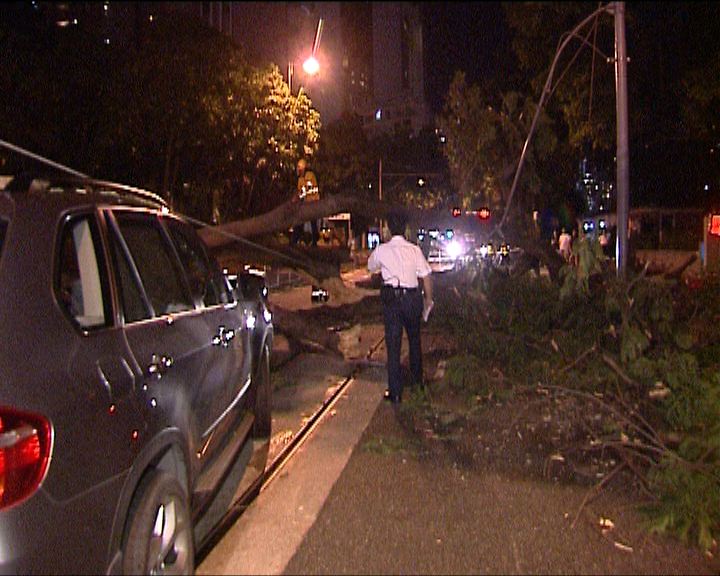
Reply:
x=672, y=54
x=178, y=111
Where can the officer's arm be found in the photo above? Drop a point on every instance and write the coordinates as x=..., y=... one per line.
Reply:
x=427, y=289
x=373, y=264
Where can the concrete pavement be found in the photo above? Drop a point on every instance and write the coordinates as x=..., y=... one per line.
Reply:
x=269, y=532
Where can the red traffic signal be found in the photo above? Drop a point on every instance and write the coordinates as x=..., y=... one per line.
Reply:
x=714, y=225
x=456, y=212
x=483, y=213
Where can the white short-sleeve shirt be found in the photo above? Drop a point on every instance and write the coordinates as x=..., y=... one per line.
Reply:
x=400, y=263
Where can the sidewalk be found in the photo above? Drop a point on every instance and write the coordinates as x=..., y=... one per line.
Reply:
x=398, y=509
x=269, y=532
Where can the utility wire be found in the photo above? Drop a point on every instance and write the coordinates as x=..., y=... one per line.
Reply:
x=592, y=70
x=195, y=221
x=572, y=61
x=543, y=98
x=41, y=159
x=242, y=240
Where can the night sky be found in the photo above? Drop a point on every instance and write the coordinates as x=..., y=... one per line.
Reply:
x=467, y=36
x=664, y=41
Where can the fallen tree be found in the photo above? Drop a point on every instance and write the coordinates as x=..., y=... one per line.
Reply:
x=254, y=239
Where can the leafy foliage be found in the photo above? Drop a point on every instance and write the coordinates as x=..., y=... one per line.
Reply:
x=639, y=345
x=464, y=372
x=485, y=135
x=344, y=157
x=689, y=504
x=175, y=108
x=589, y=258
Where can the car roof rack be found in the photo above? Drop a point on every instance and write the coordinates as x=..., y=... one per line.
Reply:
x=27, y=180
x=124, y=189
x=36, y=183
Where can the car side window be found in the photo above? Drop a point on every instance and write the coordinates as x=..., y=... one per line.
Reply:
x=155, y=261
x=80, y=285
x=200, y=268
x=135, y=306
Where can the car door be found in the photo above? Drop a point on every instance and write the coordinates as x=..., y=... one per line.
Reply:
x=165, y=331
x=227, y=380
x=100, y=376
x=176, y=346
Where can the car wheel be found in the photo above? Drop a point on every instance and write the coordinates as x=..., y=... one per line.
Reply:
x=263, y=397
x=159, y=534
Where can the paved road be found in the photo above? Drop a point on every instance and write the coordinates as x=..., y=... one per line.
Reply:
x=400, y=510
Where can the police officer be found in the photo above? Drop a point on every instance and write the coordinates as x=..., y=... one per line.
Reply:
x=402, y=265
x=307, y=191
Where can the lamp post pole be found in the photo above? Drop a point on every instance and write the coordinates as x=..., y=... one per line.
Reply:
x=310, y=66
x=623, y=164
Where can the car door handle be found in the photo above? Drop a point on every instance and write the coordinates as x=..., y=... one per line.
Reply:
x=223, y=336
x=159, y=365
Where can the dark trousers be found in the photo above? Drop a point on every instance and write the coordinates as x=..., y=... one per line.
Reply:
x=402, y=311
x=299, y=230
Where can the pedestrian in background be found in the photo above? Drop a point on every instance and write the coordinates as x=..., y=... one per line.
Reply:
x=402, y=266
x=565, y=245
x=307, y=191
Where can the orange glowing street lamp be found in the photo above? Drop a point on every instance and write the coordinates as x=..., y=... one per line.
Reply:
x=311, y=66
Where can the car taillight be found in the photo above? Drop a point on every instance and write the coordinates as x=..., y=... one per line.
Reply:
x=25, y=441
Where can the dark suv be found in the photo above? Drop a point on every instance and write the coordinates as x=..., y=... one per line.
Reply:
x=134, y=382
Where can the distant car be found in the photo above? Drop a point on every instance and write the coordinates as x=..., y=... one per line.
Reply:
x=131, y=378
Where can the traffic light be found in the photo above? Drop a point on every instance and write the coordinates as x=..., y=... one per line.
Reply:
x=456, y=212
x=483, y=213
x=714, y=227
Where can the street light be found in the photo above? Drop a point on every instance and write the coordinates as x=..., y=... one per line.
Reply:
x=311, y=66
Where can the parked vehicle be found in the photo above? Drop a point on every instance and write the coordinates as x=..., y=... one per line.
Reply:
x=132, y=379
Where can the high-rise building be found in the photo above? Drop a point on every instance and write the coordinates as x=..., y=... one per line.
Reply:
x=399, y=101
x=357, y=55
x=370, y=53
x=594, y=189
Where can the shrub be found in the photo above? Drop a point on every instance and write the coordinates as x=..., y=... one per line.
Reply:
x=653, y=345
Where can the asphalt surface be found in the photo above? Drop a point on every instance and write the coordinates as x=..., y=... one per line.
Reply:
x=397, y=510
x=363, y=496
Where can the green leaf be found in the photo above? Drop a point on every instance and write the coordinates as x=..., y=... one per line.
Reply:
x=683, y=339
x=633, y=343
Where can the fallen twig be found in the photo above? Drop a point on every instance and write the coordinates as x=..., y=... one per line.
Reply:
x=619, y=371
x=595, y=490
x=651, y=436
x=578, y=359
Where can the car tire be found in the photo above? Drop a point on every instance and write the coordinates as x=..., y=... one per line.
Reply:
x=262, y=425
x=159, y=535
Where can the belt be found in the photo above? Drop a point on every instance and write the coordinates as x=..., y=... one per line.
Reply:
x=400, y=289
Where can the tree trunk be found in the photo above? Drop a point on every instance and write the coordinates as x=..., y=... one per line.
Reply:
x=290, y=214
